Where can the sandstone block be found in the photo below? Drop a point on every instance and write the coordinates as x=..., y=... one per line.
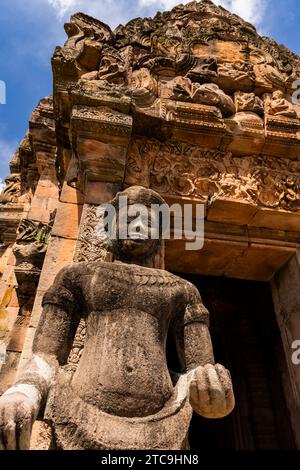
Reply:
x=67, y=220
x=60, y=253
x=71, y=195
x=231, y=212
x=98, y=193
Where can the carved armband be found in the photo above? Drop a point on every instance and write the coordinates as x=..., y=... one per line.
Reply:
x=196, y=313
x=60, y=296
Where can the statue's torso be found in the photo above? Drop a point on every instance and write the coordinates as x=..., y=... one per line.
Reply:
x=128, y=310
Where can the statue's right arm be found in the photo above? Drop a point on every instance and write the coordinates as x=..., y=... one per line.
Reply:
x=20, y=405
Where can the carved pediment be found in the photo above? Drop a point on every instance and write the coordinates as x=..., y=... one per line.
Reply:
x=196, y=54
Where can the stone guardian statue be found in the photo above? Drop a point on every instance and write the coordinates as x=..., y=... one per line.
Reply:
x=122, y=395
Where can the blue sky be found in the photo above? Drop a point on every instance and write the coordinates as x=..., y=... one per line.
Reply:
x=30, y=30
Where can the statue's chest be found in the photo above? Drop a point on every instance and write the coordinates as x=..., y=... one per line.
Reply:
x=138, y=288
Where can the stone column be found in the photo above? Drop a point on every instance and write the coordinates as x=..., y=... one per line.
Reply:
x=9, y=309
x=286, y=298
x=61, y=249
x=60, y=252
x=100, y=139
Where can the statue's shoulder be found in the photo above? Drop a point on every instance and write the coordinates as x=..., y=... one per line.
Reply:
x=74, y=274
x=189, y=290
x=176, y=279
x=86, y=267
x=168, y=278
x=183, y=283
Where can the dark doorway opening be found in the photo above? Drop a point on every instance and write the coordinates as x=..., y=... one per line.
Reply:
x=247, y=341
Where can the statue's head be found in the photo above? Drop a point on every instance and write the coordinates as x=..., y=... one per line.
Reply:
x=278, y=95
x=138, y=245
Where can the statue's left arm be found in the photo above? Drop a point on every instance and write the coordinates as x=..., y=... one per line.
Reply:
x=20, y=405
x=211, y=392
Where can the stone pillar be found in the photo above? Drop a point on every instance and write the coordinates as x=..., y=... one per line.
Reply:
x=286, y=298
x=28, y=255
x=100, y=142
x=60, y=252
x=9, y=308
x=28, y=204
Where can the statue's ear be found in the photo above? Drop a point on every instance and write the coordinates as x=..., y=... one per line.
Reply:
x=114, y=201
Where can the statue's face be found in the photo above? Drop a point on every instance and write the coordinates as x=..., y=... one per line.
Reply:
x=139, y=244
x=278, y=95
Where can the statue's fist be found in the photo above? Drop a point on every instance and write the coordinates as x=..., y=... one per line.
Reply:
x=211, y=392
x=17, y=415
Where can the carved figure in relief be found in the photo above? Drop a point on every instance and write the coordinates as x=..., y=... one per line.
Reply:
x=13, y=191
x=122, y=395
x=112, y=67
x=236, y=76
x=183, y=89
x=277, y=105
x=205, y=70
x=248, y=102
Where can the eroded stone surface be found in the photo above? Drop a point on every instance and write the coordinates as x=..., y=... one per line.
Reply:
x=193, y=104
x=122, y=378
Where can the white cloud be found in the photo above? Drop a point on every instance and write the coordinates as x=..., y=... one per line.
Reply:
x=164, y=4
x=7, y=149
x=250, y=10
x=2, y=185
x=112, y=12
x=62, y=7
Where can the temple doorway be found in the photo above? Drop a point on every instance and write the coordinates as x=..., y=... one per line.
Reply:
x=247, y=341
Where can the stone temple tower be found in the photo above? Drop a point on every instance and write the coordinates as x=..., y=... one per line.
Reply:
x=197, y=106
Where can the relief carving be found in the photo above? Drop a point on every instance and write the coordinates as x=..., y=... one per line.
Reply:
x=205, y=70
x=277, y=105
x=209, y=94
x=31, y=244
x=236, y=76
x=194, y=41
x=86, y=37
x=90, y=246
x=267, y=74
x=144, y=87
x=112, y=67
x=13, y=193
x=248, y=102
x=187, y=170
x=195, y=54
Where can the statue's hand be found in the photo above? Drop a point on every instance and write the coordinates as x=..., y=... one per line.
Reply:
x=211, y=392
x=17, y=415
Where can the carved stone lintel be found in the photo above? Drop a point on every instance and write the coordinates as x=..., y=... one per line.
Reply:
x=187, y=170
x=101, y=137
